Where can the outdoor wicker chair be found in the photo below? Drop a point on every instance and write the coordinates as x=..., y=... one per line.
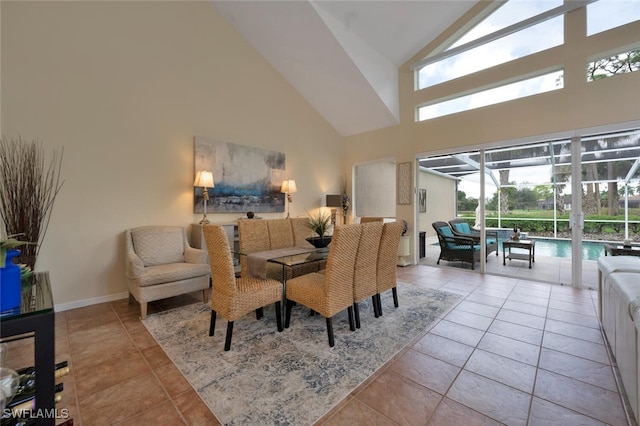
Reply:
x=233, y=297
x=461, y=228
x=364, y=282
x=454, y=248
x=387, y=261
x=331, y=292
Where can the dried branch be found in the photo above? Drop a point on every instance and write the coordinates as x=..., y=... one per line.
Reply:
x=28, y=189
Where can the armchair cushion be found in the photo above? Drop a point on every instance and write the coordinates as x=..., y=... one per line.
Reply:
x=462, y=227
x=171, y=272
x=158, y=245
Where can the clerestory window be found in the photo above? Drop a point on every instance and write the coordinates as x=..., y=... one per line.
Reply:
x=512, y=35
x=604, y=15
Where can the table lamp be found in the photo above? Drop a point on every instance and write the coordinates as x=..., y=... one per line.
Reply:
x=333, y=201
x=289, y=187
x=205, y=180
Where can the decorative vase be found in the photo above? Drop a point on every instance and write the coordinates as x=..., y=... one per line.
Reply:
x=320, y=242
x=10, y=289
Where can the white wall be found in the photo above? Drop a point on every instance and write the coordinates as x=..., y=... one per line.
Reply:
x=124, y=87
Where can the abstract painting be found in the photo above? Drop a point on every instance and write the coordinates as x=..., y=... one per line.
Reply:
x=246, y=178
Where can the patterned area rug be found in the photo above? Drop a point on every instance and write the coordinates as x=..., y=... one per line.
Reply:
x=292, y=377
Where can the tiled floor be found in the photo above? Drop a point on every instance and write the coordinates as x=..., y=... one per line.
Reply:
x=511, y=352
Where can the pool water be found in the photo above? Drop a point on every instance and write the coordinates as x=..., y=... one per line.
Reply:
x=562, y=248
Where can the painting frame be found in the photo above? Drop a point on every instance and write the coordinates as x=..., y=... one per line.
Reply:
x=404, y=183
x=422, y=200
x=246, y=178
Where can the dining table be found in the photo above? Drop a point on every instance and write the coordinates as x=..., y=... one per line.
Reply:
x=289, y=257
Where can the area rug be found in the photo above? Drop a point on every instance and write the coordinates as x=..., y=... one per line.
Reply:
x=292, y=377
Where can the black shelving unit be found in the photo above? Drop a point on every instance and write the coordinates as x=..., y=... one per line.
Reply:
x=36, y=319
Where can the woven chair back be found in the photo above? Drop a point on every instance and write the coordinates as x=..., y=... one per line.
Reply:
x=364, y=280
x=220, y=260
x=253, y=236
x=388, y=255
x=341, y=266
x=280, y=233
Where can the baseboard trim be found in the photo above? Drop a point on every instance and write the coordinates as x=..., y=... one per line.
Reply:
x=88, y=302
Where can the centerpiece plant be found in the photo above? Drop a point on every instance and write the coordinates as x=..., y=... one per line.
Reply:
x=320, y=224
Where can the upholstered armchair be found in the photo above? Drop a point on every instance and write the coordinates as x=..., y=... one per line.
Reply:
x=160, y=263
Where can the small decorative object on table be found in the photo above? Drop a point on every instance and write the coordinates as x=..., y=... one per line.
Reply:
x=345, y=207
x=516, y=234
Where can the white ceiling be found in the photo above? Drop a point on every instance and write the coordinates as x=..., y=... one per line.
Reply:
x=343, y=56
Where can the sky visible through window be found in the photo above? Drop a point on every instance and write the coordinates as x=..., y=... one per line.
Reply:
x=526, y=42
x=607, y=14
x=601, y=15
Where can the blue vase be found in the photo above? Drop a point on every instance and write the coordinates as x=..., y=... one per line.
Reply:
x=10, y=288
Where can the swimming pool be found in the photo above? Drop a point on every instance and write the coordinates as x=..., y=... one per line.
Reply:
x=562, y=248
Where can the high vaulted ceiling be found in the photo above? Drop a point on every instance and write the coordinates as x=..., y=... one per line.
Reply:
x=343, y=56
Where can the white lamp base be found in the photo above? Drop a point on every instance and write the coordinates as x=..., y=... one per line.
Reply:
x=404, y=249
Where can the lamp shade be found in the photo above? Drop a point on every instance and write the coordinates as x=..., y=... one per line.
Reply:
x=289, y=186
x=334, y=201
x=204, y=179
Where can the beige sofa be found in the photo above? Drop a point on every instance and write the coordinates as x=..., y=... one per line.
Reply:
x=619, y=300
x=257, y=235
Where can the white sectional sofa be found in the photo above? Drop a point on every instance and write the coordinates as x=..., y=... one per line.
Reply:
x=619, y=299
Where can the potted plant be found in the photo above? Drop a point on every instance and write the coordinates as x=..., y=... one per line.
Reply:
x=320, y=223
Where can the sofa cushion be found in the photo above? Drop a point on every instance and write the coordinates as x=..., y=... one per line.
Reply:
x=610, y=264
x=157, y=245
x=626, y=285
x=171, y=272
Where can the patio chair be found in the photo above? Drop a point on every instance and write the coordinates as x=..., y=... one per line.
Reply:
x=455, y=248
x=461, y=228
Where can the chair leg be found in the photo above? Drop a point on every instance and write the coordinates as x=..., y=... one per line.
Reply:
x=395, y=296
x=330, y=332
x=288, y=313
x=227, y=341
x=279, y=316
x=259, y=313
x=356, y=314
x=212, y=323
x=352, y=325
x=374, y=302
x=143, y=310
x=205, y=296
x=379, y=301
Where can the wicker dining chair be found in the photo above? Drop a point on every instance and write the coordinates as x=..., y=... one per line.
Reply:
x=331, y=292
x=387, y=261
x=253, y=236
x=233, y=297
x=364, y=281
